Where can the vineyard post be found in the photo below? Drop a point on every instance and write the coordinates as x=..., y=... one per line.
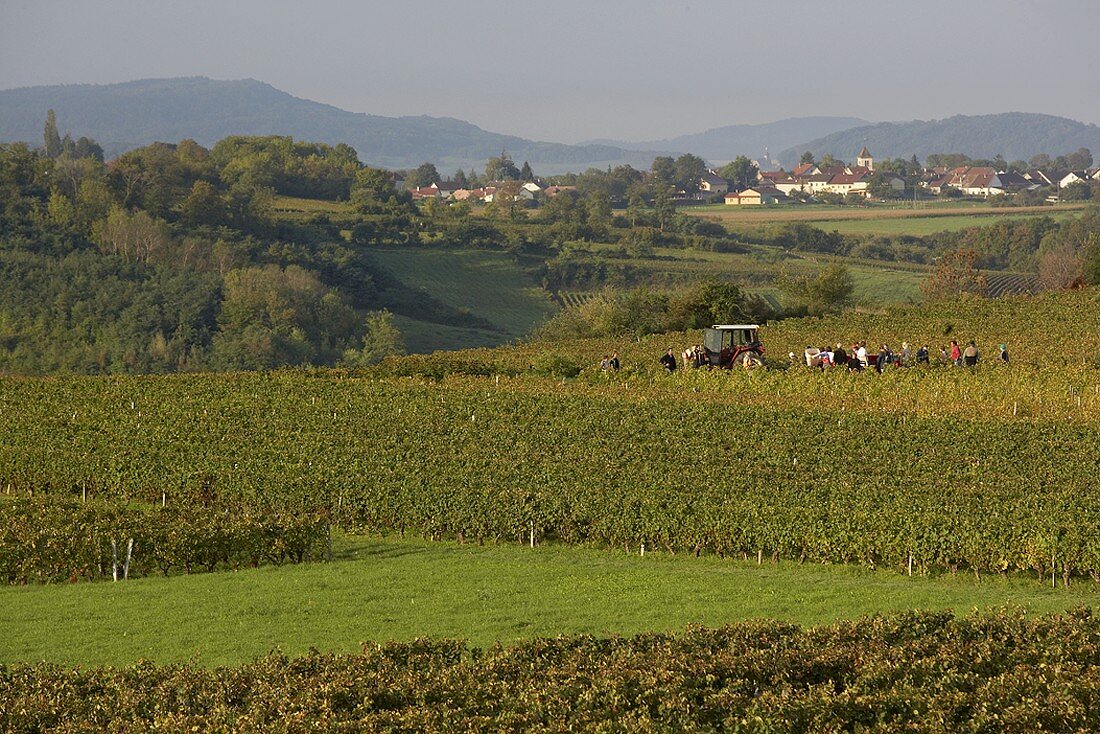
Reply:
x=532, y=534
x=129, y=554
x=114, y=560
x=910, y=563
x=83, y=492
x=759, y=556
x=164, y=499
x=1053, y=571
x=643, y=549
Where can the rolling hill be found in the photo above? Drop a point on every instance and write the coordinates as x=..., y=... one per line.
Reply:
x=132, y=114
x=1014, y=135
x=722, y=144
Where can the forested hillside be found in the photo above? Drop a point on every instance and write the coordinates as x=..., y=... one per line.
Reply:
x=170, y=257
x=133, y=114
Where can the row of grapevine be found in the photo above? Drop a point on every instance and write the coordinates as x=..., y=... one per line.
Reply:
x=682, y=470
x=1053, y=329
x=908, y=672
x=1012, y=284
x=54, y=539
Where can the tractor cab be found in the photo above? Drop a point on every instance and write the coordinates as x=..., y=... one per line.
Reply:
x=733, y=345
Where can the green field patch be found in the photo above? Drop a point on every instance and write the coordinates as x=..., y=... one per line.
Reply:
x=299, y=205
x=921, y=226
x=876, y=283
x=489, y=285
x=422, y=337
x=393, y=589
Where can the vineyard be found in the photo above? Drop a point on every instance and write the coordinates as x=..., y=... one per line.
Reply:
x=678, y=466
x=909, y=672
x=931, y=471
x=926, y=470
x=56, y=539
x=1011, y=284
x=1044, y=331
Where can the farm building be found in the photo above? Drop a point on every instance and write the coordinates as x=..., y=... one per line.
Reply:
x=713, y=184
x=758, y=196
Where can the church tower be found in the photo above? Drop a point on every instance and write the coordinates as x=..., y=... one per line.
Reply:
x=864, y=159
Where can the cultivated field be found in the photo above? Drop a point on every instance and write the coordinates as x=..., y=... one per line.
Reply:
x=920, y=226
x=826, y=213
x=484, y=495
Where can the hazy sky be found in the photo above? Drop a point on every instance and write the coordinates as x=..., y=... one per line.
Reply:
x=568, y=70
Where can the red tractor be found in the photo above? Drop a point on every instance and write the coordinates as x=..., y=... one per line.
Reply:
x=733, y=345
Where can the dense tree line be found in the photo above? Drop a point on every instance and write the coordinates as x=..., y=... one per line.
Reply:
x=1018, y=245
x=170, y=257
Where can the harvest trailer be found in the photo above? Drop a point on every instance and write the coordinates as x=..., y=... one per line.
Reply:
x=733, y=345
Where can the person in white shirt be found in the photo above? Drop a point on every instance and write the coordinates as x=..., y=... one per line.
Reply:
x=861, y=354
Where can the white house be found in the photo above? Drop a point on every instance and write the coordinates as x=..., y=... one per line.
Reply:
x=1073, y=177
x=981, y=181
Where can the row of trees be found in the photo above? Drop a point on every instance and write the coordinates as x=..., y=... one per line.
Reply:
x=497, y=168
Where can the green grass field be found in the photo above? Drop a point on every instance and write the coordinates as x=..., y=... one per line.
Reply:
x=876, y=283
x=381, y=589
x=921, y=226
x=293, y=207
x=488, y=284
x=927, y=218
x=423, y=336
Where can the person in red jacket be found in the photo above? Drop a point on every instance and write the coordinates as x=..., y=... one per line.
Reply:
x=956, y=354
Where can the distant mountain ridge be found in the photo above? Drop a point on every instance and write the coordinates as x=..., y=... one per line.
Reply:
x=722, y=144
x=131, y=114
x=1014, y=135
